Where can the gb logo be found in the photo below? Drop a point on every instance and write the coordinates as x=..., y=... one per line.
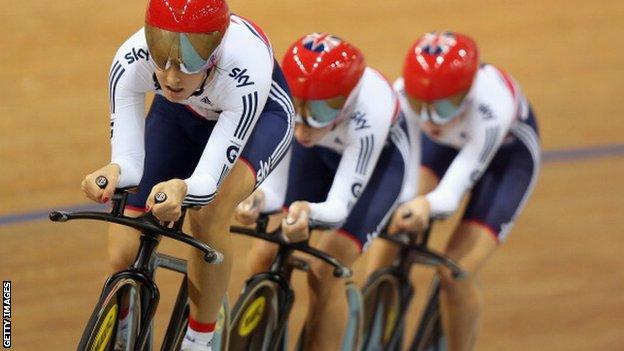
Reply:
x=436, y=43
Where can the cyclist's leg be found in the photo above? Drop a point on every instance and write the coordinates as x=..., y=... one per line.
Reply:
x=123, y=244
x=435, y=160
x=495, y=202
x=260, y=256
x=325, y=327
x=262, y=252
x=327, y=311
x=462, y=301
x=265, y=148
x=210, y=224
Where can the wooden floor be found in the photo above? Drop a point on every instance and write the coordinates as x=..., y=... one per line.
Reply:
x=557, y=283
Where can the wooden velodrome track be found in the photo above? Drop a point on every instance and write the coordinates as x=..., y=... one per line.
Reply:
x=557, y=283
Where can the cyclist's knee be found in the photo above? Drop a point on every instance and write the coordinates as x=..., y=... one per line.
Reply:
x=470, y=247
x=260, y=258
x=120, y=258
x=123, y=244
x=459, y=286
x=320, y=278
x=209, y=219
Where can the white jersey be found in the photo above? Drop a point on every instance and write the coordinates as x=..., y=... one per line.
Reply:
x=234, y=94
x=367, y=119
x=495, y=107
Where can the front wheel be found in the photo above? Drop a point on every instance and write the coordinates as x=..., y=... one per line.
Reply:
x=115, y=322
x=256, y=317
x=382, y=312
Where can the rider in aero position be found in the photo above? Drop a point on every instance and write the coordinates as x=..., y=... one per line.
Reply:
x=219, y=95
x=479, y=133
x=345, y=169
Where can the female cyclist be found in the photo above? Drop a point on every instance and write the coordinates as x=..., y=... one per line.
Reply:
x=479, y=135
x=220, y=121
x=345, y=170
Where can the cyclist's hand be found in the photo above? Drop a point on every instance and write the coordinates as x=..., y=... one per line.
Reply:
x=169, y=210
x=93, y=191
x=248, y=211
x=296, y=226
x=412, y=216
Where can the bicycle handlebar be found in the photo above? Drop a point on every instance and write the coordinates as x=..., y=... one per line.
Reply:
x=340, y=270
x=421, y=253
x=146, y=223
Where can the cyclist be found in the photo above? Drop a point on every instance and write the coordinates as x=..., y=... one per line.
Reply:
x=345, y=170
x=220, y=121
x=479, y=134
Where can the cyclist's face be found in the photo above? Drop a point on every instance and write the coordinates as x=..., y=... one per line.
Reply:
x=308, y=136
x=441, y=111
x=310, y=129
x=176, y=85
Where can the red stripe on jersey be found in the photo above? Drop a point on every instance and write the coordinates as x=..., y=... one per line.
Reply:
x=508, y=82
x=137, y=209
x=512, y=88
x=488, y=229
x=351, y=237
x=248, y=164
x=195, y=113
x=258, y=30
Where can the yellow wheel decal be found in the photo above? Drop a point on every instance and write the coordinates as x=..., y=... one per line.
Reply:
x=221, y=317
x=252, y=316
x=105, y=331
x=390, y=320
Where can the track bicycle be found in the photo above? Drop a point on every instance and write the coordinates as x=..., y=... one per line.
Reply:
x=260, y=315
x=133, y=292
x=388, y=293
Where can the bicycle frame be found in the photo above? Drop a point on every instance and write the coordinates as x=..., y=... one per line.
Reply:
x=279, y=275
x=146, y=261
x=411, y=251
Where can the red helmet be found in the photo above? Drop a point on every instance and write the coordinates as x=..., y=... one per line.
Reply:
x=185, y=32
x=188, y=16
x=440, y=64
x=322, y=66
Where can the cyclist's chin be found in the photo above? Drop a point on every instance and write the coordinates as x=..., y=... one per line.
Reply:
x=307, y=142
x=176, y=96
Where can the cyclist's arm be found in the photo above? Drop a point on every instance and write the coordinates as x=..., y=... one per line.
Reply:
x=128, y=82
x=242, y=106
x=354, y=171
x=486, y=133
x=275, y=185
x=412, y=174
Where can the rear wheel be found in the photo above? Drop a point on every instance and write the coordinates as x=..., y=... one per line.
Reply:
x=115, y=322
x=255, y=317
x=382, y=311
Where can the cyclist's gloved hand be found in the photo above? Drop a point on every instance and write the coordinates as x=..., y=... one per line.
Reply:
x=412, y=216
x=296, y=224
x=169, y=210
x=248, y=211
x=94, y=191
